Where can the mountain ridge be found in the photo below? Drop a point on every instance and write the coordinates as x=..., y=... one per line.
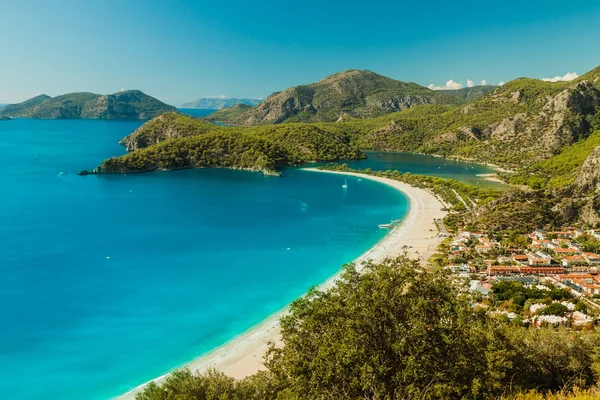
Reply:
x=358, y=93
x=129, y=104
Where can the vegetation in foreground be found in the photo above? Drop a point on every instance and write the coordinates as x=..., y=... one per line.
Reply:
x=393, y=331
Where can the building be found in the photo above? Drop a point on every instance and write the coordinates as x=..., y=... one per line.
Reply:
x=538, y=258
x=494, y=270
x=592, y=259
x=571, y=261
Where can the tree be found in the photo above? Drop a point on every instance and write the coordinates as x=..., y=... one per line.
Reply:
x=554, y=309
x=392, y=332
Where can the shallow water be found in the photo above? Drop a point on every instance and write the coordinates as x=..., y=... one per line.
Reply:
x=109, y=281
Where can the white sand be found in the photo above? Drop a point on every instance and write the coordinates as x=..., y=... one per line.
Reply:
x=416, y=236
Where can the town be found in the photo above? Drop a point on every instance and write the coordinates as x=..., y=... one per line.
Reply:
x=544, y=277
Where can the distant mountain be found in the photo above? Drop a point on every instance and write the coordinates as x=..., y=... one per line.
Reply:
x=470, y=93
x=228, y=114
x=130, y=104
x=218, y=103
x=361, y=94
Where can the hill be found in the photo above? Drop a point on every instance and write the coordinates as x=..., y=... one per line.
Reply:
x=470, y=93
x=228, y=114
x=175, y=141
x=130, y=104
x=218, y=102
x=362, y=94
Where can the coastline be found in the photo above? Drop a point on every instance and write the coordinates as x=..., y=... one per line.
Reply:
x=416, y=236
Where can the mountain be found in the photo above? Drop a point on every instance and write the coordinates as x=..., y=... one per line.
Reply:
x=17, y=110
x=130, y=104
x=218, y=102
x=470, y=93
x=362, y=94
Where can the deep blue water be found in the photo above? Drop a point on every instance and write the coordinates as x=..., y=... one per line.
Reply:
x=196, y=112
x=109, y=281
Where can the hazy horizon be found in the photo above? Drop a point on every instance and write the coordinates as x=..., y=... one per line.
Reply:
x=180, y=52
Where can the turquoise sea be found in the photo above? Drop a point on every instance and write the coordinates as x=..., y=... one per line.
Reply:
x=109, y=281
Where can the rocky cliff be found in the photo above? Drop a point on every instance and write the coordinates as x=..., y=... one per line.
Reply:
x=588, y=178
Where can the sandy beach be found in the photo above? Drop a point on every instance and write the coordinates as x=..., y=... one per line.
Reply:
x=417, y=236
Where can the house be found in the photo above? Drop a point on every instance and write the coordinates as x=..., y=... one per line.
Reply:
x=580, y=318
x=540, y=234
x=542, y=270
x=561, y=253
x=570, y=261
x=593, y=259
x=483, y=248
x=477, y=287
x=538, y=258
x=494, y=270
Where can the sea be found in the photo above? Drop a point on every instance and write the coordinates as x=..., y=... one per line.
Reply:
x=108, y=281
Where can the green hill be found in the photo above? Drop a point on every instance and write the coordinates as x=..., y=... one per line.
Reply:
x=362, y=94
x=175, y=141
x=228, y=114
x=470, y=93
x=131, y=104
x=24, y=109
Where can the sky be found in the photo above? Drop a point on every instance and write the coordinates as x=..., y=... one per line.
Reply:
x=178, y=51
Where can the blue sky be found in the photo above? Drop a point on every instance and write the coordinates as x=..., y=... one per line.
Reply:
x=182, y=50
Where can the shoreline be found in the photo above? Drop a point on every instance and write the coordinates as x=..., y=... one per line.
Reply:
x=416, y=235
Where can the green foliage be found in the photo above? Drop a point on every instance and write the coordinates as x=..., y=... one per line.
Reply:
x=24, y=109
x=393, y=331
x=516, y=293
x=470, y=93
x=227, y=114
x=519, y=212
x=553, y=309
x=174, y=141
x=561, y=169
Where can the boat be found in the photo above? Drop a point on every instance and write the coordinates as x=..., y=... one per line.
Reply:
x=386, y=226
x=359, y=180
x=345, y=185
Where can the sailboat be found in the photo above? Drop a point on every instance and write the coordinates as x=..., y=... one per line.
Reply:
x=345, y=185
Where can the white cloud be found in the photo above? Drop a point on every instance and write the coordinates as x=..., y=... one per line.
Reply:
x=470, y=83
x=569, y=76
x=484, y=83
x=450, y=85
x=501, y=83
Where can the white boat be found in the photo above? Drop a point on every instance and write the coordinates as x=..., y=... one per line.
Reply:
x=386, y=226
x=345, y=185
